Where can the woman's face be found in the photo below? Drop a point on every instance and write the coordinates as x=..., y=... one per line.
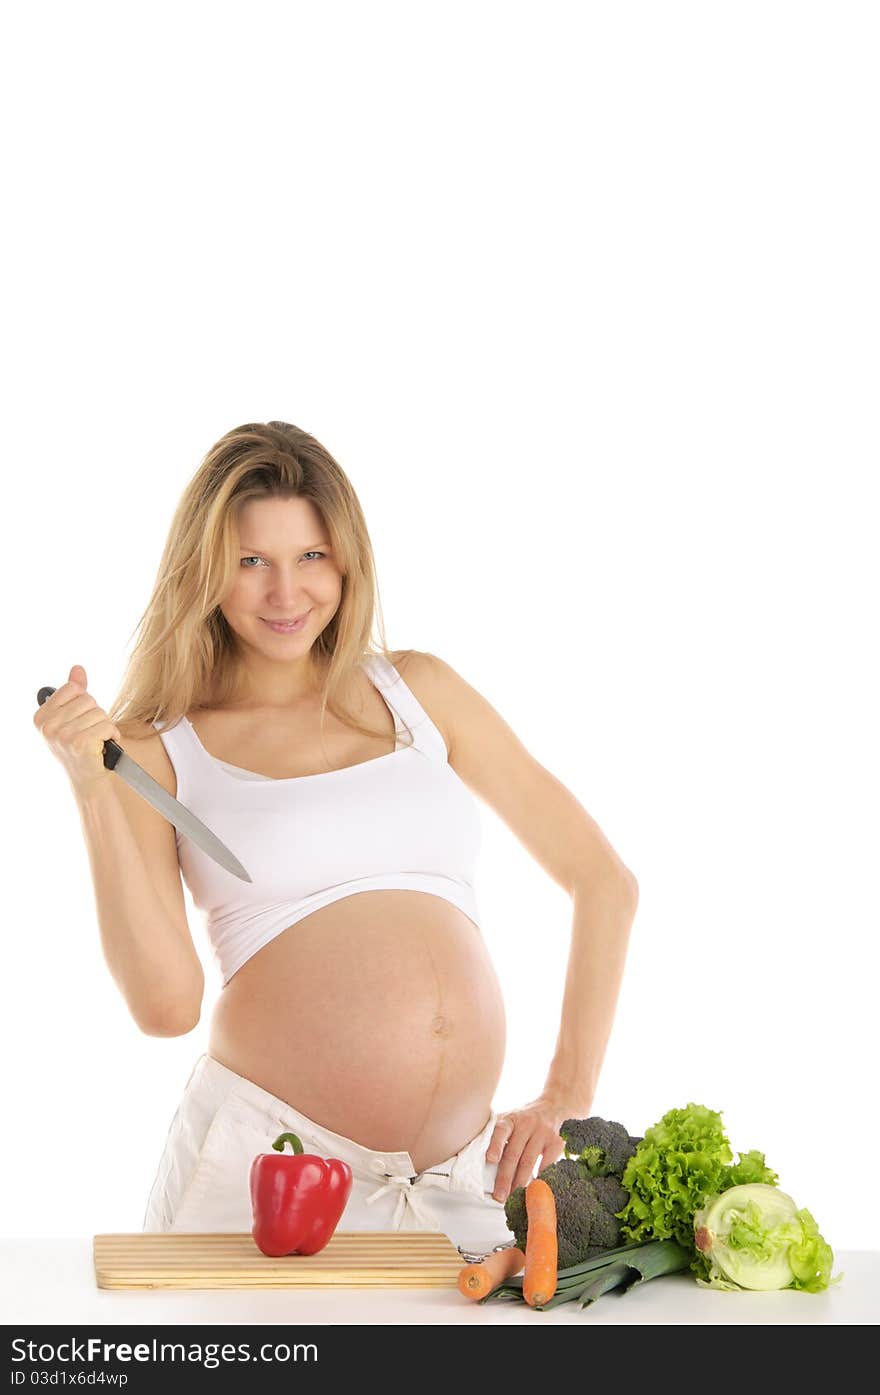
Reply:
x=286, y=570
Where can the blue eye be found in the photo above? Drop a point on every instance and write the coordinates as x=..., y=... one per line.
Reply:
x=259, y=559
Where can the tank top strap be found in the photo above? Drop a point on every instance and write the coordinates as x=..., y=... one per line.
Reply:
x=173, y=730
x=184, y=760
x=403, y=702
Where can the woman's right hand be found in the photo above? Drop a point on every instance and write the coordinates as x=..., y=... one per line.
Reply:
x=75, y=728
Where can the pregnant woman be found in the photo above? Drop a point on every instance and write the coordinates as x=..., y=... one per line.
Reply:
x=359, y=1006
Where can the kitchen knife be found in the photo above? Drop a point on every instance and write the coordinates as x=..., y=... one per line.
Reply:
x=176, y=813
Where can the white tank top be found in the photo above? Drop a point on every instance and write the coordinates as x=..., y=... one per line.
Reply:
x=404, y=820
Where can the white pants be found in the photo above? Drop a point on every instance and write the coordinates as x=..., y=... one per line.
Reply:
x=223, y=1122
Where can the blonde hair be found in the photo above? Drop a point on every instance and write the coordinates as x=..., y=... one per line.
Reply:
x=185, y=656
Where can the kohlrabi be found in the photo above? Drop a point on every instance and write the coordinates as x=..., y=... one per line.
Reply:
x=754, y=1237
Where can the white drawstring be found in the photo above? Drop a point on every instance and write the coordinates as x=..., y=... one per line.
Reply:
x=409, y=1194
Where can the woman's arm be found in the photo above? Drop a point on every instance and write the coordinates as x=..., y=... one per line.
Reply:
x=604, y=910
x=570, y=846
x=147, y=946
x=539, y=810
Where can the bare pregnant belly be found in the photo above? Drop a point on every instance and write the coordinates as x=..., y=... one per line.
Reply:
x=379, y=1016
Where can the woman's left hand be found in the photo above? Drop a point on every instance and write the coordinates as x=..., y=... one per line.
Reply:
x=521, y=1136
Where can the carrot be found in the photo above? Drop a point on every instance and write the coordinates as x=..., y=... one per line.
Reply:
x=476, y=1280
x=542, y=1244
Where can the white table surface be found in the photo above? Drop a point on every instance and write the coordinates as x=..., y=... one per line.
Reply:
x=45, y=1282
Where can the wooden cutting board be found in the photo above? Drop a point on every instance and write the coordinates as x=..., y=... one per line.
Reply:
x=374, y=1259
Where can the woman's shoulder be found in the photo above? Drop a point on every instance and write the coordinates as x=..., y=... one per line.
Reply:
x=405, y=658
x=419, y=672
x=143, y=743
x=415, y=667
x=137, y=730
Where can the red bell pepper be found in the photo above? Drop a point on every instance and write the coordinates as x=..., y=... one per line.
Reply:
x=297, y=1198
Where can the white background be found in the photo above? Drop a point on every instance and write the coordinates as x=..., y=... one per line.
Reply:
x=584, y=299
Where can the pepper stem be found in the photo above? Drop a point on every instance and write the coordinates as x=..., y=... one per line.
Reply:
x=290, y=1138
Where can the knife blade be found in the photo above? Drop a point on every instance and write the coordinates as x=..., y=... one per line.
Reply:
x=138, y=779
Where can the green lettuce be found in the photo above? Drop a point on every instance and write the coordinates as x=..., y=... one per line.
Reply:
x=755, y=1237
x=682, y=1160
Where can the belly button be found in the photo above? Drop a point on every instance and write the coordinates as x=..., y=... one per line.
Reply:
x=441, y=1026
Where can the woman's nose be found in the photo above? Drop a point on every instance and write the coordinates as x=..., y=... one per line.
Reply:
x=287, y=602
x=286, y=589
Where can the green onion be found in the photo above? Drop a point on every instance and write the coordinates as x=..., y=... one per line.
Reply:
x=618, y=1268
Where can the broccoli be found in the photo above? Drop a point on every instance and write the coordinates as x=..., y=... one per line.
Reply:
x=600, y=1144
x=611, y=1194
x=586, y=1189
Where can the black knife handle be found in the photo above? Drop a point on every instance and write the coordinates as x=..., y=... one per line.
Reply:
x=112, y=749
